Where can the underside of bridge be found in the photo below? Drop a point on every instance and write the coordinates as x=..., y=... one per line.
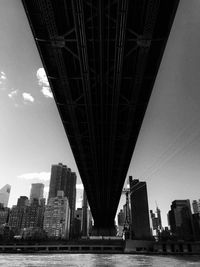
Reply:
x=101, y=58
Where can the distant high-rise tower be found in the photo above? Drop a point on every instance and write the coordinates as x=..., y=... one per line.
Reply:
x=22, y=201
x=17, y=213
x=62, y=179
x=121, y=221
x=37, y=190
x=139, y=209
x=156, y=220
x=56, y=180
x=4, y=214
x=4, y=194
x=159, y=218
x=195, y=206
x=85, y=219
x=180, y=219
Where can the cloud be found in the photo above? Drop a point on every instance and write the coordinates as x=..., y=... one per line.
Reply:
x=42, y=77
x=3, y=75
x=12, y=94
x=47, y=92
x=17, y=97
x=28, y=97
x=2, y=80
x=42, y=176
x=43, y=83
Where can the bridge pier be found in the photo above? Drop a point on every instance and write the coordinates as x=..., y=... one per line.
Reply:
x=103, y=231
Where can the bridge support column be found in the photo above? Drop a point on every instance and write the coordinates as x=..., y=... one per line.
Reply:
x=102, y=231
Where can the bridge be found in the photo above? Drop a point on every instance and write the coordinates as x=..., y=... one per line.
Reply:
x=101, y=58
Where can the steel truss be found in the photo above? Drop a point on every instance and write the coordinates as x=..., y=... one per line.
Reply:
x=101, y=58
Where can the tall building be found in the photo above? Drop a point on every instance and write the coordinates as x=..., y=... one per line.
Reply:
x=17, y=213
x=22, y=201
x=4, y=215
x=85, y=219
x=37, y=191
x=159, y=218
x=139, y=210
x=77, y=223
x=196, y=223
x=70, y=193
x=63, y=179
x=121, y=218
x=5, y=194
x=57, y=217
x=86, y=225
x=127, y=212
x=33, y=215
x=196, y=206
x=156, y=220
x=180, y=220
x=56, y=180
x=121, y=221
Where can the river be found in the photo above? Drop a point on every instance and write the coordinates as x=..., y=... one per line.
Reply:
x=96, y=260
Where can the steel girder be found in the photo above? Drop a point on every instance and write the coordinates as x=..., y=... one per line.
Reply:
x=101, y=58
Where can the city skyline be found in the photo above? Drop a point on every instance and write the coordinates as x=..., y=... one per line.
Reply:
x=33, y=138
x=122, y=204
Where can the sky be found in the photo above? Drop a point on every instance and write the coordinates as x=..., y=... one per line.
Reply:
x=32, y=137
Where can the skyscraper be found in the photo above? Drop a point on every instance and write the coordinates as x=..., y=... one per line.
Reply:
x=4, y=194
x=62, y=179
x=70, y=192
x=85, y=227
x=17, y=213
x=159, y=218
x=37, y=190
x=22, y=201
x=121, y=221
x=196, y=206
x=180, y=220
x=156, y=220
x=56, y=180
x=86, y=217
x=4, y=214
x=139, y=209
x=33, y=215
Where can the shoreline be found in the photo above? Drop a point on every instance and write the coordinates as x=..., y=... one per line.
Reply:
x=80, y=249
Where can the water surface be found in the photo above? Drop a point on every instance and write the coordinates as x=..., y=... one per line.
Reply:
x=95, y=260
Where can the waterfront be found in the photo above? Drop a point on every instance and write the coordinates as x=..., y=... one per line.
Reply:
x=95, y=260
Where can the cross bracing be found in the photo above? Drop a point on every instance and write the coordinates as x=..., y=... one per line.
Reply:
x=101, y=58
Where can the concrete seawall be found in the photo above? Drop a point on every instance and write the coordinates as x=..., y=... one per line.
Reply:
x=61, y=249
x=125, y=247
